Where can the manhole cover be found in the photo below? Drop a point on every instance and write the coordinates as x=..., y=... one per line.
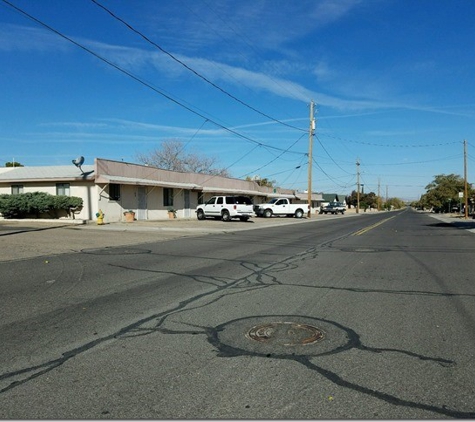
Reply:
x=285, y=333
x=282, y=336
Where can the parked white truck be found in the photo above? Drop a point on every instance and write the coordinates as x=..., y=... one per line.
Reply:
x=226, y=208
x=280, y=206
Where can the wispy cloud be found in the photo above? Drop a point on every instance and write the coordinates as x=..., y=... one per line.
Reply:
x=22, y=38
x=25, y=39
x=125, y=128
x=263, y=25
x=135, y=59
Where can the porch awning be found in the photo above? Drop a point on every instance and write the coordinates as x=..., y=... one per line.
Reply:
x=232, y=191
x=122, y=180
x=281, y=195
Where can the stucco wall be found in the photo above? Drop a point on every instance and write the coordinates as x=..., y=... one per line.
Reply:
x=153, y=203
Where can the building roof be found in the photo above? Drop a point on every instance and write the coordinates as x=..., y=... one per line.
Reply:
x=122, y=180
x=33, y=174
x=107, y=171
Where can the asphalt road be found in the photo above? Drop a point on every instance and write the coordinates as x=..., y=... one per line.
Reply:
x=365, y=317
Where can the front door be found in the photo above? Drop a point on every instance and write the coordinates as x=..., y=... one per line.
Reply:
x=186, y=197
x=142, y=203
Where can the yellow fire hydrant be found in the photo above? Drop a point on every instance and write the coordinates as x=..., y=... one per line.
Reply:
x=100, y=217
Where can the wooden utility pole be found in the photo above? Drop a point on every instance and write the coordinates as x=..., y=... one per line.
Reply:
x=379, y=194
x=357, y=186
x=310, y=159
x=465, y=178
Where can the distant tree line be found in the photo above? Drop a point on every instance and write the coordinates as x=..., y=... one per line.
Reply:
x=372, y=201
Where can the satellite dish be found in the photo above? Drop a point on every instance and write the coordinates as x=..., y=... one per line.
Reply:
x=78, y=162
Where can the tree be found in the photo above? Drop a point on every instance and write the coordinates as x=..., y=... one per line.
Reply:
x=367, y=200
x=172, y=156
x=443, y=192
x=262, y=182
x=13, y=164
x=394, y=203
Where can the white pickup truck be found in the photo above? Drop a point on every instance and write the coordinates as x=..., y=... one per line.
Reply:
x=280, y=206
x=226, y=208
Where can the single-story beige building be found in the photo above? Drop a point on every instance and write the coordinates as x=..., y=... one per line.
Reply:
x=115, y=187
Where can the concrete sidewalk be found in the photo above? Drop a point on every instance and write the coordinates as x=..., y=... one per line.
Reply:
x=455, y=220
x=192, y=225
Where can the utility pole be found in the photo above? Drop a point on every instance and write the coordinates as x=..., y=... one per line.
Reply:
x=310, y=159
x=465, y=178
x=357, y=186
x=379, y=194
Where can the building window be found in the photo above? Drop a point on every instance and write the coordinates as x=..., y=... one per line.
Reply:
x=114, y=192
x=167, y=197
x=201, y=198
x=62, y=189
x=16, y=189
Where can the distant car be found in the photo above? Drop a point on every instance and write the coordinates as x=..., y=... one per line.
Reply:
x=333, y=208
x=226, y=208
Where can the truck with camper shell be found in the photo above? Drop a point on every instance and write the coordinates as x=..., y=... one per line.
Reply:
x=226, y=208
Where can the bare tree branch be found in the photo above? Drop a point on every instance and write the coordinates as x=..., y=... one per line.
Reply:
x=172, y=156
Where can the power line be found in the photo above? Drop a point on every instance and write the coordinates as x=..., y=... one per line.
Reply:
x=247, y=41
x=326, y=174
x=191, y=69
x=451, y=157
x=275, y=158
x=331, y=158
x=415, y=162
x=391, y=145
x=139, y=80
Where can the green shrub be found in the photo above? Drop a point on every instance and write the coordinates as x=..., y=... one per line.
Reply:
x=11, y=205
x=36, y=203
x=40, y=202
x=63, y=202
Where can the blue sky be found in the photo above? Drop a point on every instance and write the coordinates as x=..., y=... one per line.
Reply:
x=393, y=83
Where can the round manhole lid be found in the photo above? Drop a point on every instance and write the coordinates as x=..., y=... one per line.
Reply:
x=282, y=336
x=285, y=333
